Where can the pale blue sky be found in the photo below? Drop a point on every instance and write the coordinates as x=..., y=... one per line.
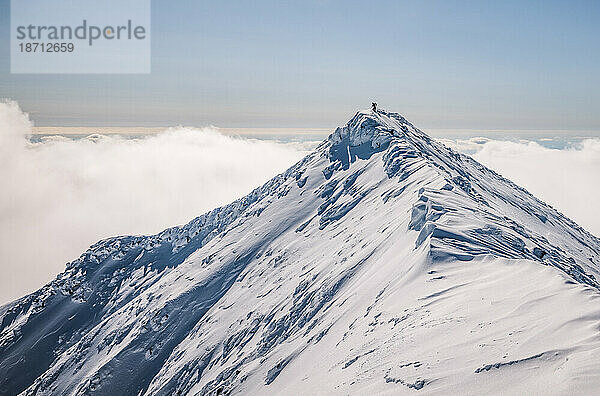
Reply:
x=443, y=64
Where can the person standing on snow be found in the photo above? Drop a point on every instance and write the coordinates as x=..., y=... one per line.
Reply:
x=374, y=106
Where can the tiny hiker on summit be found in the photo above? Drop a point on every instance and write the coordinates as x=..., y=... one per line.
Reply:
x=374, y=106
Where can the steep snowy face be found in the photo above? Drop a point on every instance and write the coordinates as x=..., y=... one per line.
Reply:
x=382, y=262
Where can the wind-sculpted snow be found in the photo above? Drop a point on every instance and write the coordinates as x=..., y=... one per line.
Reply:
x=382, y=262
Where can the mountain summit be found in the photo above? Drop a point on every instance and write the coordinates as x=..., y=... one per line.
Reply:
x=383, y=262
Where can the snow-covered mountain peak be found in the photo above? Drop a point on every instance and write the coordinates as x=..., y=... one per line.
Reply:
x=376, y=127
x=412, y=266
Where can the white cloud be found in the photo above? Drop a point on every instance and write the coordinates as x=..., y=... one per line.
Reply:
x=62, y=195
x=568, y=179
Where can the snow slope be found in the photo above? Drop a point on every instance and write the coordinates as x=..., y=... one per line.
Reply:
x=383, y=262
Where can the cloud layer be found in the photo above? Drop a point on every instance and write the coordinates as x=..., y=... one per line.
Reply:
x=62, y=195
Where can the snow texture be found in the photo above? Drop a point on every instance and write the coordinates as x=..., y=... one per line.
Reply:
x=383, y=262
